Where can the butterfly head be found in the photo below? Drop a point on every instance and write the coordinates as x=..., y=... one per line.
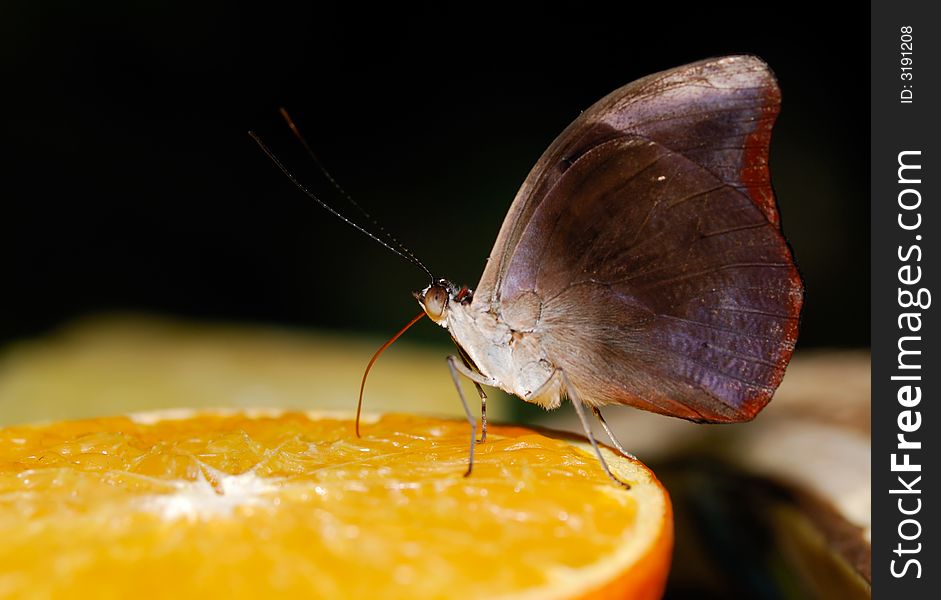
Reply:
x=436, y=299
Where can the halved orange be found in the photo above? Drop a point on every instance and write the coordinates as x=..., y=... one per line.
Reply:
x=263, y=503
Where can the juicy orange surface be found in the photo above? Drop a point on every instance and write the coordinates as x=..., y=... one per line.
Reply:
x=244, y=506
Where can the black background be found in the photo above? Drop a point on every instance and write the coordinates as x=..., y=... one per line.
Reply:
x=129, y=181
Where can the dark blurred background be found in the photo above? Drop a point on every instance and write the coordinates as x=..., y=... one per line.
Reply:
x=129, y=181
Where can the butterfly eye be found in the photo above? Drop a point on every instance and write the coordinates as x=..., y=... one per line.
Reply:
x=435, y=302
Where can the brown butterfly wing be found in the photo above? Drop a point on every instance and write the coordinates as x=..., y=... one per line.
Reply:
x=718, y=112
x=661, y=280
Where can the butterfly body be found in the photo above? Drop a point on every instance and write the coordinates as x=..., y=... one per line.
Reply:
x=512, y=358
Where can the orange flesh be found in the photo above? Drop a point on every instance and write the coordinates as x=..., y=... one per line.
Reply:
x=230, y=505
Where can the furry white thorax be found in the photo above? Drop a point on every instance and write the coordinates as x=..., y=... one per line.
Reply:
x=515, y=360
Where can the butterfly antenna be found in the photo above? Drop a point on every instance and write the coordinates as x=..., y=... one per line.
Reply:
x=362, y=386
x=323, y=169
x=332, y=210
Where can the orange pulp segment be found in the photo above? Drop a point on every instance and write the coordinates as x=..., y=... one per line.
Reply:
x=254, y=504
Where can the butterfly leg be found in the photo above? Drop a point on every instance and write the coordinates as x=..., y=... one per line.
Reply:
x=481, y=393
x=458, y=369
x=580, y=411
x=611, y=437
x=483, y=413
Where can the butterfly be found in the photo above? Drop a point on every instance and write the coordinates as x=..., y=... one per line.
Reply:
x=642, y=261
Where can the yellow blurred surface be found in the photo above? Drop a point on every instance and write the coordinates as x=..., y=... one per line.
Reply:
x=119, y=364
